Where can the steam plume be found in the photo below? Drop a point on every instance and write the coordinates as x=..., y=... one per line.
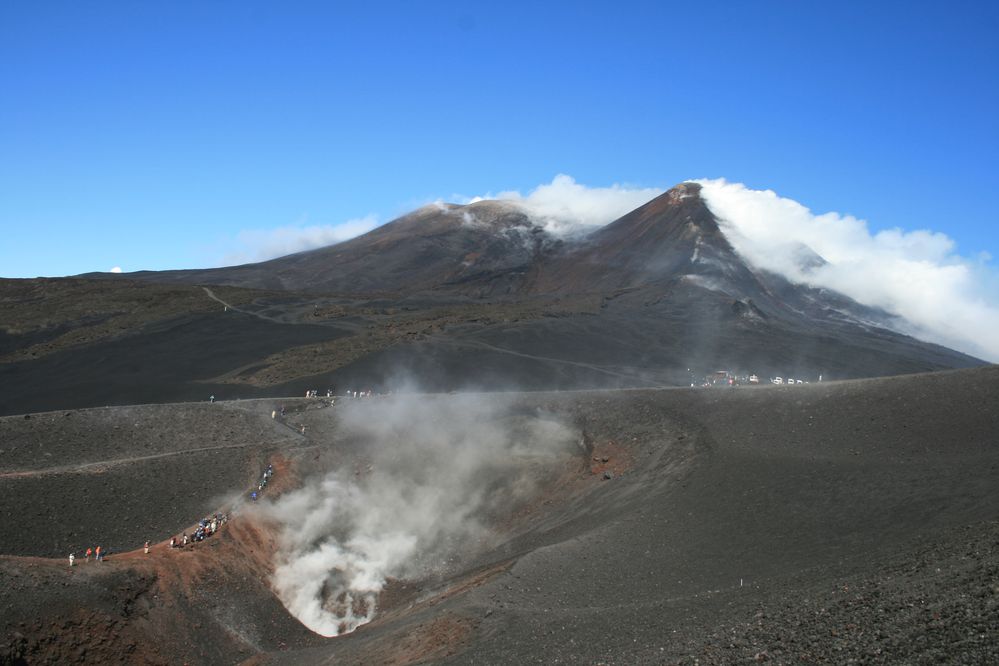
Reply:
x=441, y=470
x=564, y=207
x=260, y=245
x=918, y=275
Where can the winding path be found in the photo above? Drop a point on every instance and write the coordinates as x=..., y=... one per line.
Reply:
x=211, y=295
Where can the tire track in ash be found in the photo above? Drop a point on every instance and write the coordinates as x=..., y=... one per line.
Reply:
x=211, y=295
x=103, y=465
x=235, y=372
x=579, y=364
x=467, y=343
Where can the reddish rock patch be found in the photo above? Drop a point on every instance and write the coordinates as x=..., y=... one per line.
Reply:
x=610, y=458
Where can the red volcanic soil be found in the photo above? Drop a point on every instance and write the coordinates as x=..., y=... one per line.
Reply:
x=206, y=603
x=116, y=478
x=822, y=523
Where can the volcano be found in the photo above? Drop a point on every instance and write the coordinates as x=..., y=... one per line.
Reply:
x=482, y=249
x=453, y=296
x=635, y=520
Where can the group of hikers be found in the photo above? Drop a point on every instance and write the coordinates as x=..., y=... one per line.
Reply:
x=206, y=527
x=348, y=393
x=330, y=393
x=96, y=553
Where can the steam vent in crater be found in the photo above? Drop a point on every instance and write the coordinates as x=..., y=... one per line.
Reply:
x=482, y=434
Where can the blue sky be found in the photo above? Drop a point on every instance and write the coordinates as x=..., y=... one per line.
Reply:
x=164, y=135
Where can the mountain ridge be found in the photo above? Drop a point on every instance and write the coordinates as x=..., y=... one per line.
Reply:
x=477, y=296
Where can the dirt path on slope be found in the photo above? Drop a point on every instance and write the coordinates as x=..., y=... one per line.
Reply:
x=579, y=364
x=103, y=465
x=230, y=306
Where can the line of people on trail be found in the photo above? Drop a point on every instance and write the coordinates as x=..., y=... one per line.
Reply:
x=206, y=527
x=96, y=553
x=268, y=473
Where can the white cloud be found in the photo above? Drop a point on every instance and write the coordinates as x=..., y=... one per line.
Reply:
x=262, y=244
x=564, y=207
x=116, y=269
x=948, y=298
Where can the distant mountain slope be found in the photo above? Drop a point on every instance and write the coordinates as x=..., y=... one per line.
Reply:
x=673, y=243
x=483, y=249
x=674, y=234
x=493, y=249
x=478, y=296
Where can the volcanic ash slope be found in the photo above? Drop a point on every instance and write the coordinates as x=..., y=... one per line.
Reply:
x=821, y=522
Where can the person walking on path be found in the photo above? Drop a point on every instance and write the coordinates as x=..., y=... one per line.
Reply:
x=72, y=558
x=90, y=551
x=146, y=548
x=97, y=553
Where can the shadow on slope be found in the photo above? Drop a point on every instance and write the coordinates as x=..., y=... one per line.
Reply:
x=168, y=361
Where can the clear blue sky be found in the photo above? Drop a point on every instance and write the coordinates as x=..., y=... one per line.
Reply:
x=149, y=134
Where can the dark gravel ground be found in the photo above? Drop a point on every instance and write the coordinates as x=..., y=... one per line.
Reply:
x=822, y=523
x=117, y=477
x=840, y=522
x=938, y=603
x=163, y=361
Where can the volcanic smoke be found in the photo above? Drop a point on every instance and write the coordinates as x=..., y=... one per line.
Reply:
x=431, y=475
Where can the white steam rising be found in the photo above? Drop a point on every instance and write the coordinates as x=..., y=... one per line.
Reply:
x=260, y=245
x=564, y=207
x=426, y=478
x=947, y=298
